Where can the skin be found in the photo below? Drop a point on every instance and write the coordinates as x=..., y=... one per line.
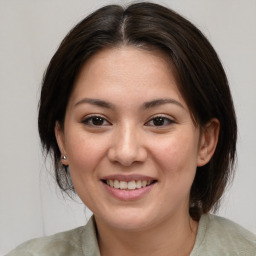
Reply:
x=128, y=139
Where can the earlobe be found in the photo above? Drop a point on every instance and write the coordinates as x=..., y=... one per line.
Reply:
x=208, y=141
x=61, y=143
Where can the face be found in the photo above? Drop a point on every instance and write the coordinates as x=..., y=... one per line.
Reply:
x=131, y=145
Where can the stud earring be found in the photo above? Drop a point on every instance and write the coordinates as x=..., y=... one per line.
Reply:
x=64, y=158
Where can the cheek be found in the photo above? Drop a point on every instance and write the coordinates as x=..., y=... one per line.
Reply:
x=176, y=154
x=85, y=152
x=176, y=159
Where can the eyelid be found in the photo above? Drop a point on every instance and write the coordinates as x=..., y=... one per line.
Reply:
x=86, y=119
x=170, y=120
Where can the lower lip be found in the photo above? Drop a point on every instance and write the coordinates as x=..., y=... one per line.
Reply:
x=128, y=195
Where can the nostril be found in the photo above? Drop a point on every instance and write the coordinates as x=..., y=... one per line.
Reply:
x=126, y=147
x=127, y=158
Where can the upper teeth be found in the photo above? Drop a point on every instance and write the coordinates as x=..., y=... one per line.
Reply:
x=128, y=185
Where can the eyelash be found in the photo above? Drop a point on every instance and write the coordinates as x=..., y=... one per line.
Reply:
x=89, y=121
x=160, y=118
x=164, y=121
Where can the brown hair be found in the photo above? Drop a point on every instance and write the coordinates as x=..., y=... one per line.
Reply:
x=201, y=81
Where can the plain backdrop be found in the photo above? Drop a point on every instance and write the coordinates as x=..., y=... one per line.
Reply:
x=30, y=31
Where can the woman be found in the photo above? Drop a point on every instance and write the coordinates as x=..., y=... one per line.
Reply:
x=136, y=109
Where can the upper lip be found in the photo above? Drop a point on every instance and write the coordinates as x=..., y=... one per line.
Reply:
x=128, y=178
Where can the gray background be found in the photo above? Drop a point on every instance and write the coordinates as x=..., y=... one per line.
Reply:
x=30, y=30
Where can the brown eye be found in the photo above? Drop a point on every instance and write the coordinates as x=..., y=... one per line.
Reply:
x=96, y=121
x=159, y=121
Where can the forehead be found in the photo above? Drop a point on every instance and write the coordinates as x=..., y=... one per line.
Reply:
x=128, y=72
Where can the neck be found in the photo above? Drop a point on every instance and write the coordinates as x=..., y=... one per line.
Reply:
x=173, y=237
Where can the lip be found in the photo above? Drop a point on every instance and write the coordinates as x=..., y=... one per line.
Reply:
x=128, y=178
x=126, y=194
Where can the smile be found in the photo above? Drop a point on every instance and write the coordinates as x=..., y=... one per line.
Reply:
x=130, y=185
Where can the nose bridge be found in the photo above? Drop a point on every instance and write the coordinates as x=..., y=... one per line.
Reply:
x=127, y=147
x=127, y=139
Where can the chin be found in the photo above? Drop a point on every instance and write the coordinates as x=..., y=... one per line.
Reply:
x=128, y=220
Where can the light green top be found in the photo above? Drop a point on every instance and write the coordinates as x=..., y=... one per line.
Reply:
x=216, y=236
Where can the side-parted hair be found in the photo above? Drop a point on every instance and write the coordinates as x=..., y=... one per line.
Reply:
x=200, y=77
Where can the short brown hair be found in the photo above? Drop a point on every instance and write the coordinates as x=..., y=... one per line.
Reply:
x=200, y=75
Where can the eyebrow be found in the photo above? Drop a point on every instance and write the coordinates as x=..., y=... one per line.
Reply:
x=96, y=102
x=159, y=102
x=146, y=105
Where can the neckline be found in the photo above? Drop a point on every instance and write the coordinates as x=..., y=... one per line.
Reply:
x=201, y=231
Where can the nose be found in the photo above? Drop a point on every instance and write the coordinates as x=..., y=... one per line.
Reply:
x=127, y=147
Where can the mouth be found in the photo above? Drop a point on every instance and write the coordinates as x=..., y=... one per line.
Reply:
x=128, y=185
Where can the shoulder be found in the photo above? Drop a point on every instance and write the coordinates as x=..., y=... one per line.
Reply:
x=220, y=235
x=79, y=241
x=56, y=244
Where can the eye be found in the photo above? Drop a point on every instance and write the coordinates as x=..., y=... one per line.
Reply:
x=159, y=121
x=95, y=121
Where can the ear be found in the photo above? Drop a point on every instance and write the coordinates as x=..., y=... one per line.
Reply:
x=208, y=141
x=59, y=134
